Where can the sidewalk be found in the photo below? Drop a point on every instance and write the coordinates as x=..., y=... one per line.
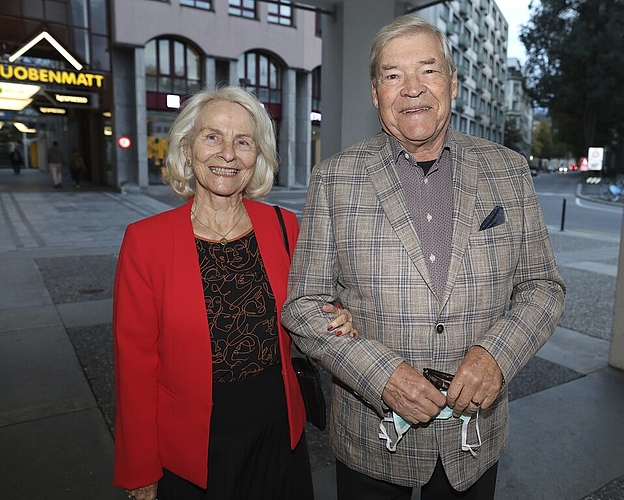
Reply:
x=58, y=251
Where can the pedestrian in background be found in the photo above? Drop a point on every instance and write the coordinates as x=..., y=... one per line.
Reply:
x=436, y=243
x=77, y=167
x=16, y=160
x=56, y=160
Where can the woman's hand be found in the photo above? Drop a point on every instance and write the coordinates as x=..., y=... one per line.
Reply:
x=343, y=324
x=144, y=493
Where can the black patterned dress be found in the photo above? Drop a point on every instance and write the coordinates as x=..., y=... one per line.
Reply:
x=249, y=455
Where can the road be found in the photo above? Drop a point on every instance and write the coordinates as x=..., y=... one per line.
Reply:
x=580, y=214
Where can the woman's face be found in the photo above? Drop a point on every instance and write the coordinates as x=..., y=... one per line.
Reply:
x=222, y=149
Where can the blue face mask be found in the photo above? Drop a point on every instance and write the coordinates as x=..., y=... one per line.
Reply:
x=401, y=426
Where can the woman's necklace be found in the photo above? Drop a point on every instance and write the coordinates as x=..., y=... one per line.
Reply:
x=223, y=240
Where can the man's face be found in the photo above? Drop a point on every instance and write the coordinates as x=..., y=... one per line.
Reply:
x=413, y=93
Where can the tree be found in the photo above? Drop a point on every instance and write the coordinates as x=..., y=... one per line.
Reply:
x=542, y=140
x=513, y=137
x=575, y=65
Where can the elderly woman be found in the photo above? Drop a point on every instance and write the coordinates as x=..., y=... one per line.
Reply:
x=208, y=404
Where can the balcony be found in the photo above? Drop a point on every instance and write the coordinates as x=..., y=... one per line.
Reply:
x=464, y=9
x=484, y=32
x=459, y=104
x=464, y=41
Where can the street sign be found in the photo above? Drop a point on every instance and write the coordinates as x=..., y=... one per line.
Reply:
x=583, y=166
x=594, y=158
x=124, y=142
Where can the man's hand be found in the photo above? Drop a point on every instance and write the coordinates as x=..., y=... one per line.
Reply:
x=476, y=384
x=410, y=395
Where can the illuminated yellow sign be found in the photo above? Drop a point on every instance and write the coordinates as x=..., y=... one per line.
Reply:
x=52, y=111
x=74, y=99
x=46, y=75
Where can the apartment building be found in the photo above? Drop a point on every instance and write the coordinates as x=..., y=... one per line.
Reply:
x=478, y=34
x=519, y=105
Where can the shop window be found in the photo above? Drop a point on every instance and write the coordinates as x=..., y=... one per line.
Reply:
x=243, y=8
x=280, y=12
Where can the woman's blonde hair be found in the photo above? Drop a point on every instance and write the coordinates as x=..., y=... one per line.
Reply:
x=180, y=175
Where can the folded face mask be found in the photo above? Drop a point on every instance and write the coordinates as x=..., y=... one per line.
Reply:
x=401, y=426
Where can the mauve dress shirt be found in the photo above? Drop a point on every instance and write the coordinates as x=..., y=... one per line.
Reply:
x=430, y=202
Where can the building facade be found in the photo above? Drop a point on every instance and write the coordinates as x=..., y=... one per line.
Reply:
x=136, y=62
x=139, y=59
x=162, y=51
x=478, y=34
x=55, y=79
x=519, y=106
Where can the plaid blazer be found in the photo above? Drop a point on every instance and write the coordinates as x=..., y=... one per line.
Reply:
x=358, y=243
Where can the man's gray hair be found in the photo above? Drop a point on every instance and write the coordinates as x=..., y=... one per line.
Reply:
x=406, y=25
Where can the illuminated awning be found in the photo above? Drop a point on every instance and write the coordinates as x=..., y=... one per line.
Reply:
x=16, y=96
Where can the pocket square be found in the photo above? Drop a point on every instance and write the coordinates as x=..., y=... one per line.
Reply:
x=495, y=218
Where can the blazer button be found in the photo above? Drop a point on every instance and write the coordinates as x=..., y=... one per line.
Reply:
x=440, y=328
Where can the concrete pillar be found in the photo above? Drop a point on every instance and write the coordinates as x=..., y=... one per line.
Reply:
x=140, y=93
x=303, y=140
x=124, y=117
x=288, y=129
x=616, y=351
x=348, y=115
x=233, y=73
x=210, y=73
x=126, y=114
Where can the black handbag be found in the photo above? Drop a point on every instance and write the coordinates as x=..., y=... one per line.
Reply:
x=308, y=374
x=309, y=378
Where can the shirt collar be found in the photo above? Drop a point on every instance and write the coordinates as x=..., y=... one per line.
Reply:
x=398, y=149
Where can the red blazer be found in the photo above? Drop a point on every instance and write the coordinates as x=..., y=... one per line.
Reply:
x=163, y=359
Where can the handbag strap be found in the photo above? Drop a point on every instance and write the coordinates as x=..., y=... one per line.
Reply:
x=280, y=217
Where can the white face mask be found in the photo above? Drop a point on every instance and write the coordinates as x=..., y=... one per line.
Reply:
x=401, y=426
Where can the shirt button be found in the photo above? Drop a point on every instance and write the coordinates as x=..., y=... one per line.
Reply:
x=429, y=217
x=432, y=258
x=440, y=328
x=426, y=180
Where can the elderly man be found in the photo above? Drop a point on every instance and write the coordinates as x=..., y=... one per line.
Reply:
x=436, y=243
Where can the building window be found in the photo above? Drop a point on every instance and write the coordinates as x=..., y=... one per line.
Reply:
x=316, y=89
x=198, y=4
x=318, y=24
x=171, y=67
x=243, y=8
x=261, y=75
x=280, y=12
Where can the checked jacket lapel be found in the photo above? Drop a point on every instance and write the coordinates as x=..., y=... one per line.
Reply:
x=465, y=168
x=385, y=181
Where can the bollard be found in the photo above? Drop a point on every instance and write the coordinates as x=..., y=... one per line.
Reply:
x=563, y=214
